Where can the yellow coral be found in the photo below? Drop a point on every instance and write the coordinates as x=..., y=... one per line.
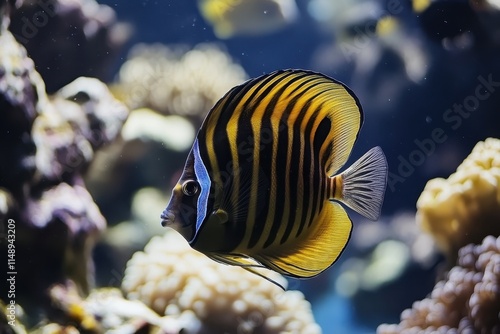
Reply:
x=171, y=277
x=465, y=207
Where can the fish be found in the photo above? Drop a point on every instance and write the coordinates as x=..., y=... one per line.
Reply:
x=231, y=18
x=260, y=187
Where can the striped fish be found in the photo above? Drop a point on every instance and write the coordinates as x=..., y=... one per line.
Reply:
x=259, y=187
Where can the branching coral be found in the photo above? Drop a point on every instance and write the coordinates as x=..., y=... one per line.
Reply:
x=465, y=207
x=174, y=82
x=467, y=301
x=171, y=277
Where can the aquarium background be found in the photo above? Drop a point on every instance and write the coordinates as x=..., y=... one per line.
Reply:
x=427, y=74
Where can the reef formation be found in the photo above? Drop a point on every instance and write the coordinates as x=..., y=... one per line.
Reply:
x=466, y=301
x=175, y=81
x=465, y=207
x=48, y=143
x=172, y=278
x=462, y=213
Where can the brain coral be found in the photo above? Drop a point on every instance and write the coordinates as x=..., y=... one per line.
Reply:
x=170, y=277
x=465, y=207
x=467, y=301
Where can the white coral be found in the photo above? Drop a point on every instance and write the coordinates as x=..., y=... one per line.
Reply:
x=171, y=277
x=173, y=82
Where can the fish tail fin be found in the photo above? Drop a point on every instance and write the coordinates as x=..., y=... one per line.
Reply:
x=363, y=184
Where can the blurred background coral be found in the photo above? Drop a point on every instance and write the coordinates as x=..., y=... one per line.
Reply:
x=100, y=102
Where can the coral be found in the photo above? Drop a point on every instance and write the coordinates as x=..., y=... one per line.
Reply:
x=171, y=278
x=21, y=88
x=6, y=205
x=11, y=319
x=105, y=310
x=79, y=38
x=467, y=301
x=465, y=207
x=81, y=118
x=104, y=114
x=65, y=222
x=46, y=145
x=174, y=132
x=170, y=81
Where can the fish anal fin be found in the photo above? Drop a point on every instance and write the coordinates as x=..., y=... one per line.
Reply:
x=363, y=184
x=251, y=266
x=260, y=273
x=317, y=250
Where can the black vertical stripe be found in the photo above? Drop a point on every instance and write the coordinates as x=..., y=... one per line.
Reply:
x=309, y=194
x=324, y=159
x=295, y=173
x=320, y=137
x=281, y=166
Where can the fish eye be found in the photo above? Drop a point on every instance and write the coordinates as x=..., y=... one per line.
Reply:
x=190, y=188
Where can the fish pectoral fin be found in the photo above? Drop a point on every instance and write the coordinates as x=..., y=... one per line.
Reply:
x=219, y=216
x=363, y=184
x=316, y=252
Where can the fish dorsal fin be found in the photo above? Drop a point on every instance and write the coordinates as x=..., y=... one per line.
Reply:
x=346, y=117
x=318, y=248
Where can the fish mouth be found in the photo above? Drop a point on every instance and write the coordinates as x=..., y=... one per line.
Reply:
x=167, y=218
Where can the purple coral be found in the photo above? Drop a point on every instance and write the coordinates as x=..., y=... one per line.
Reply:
x=467, y=301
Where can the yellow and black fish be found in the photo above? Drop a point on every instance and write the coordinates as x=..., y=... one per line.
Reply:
x=258, y=188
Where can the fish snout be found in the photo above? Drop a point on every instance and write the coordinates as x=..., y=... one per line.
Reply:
x=167, y=218
x=173, y=221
